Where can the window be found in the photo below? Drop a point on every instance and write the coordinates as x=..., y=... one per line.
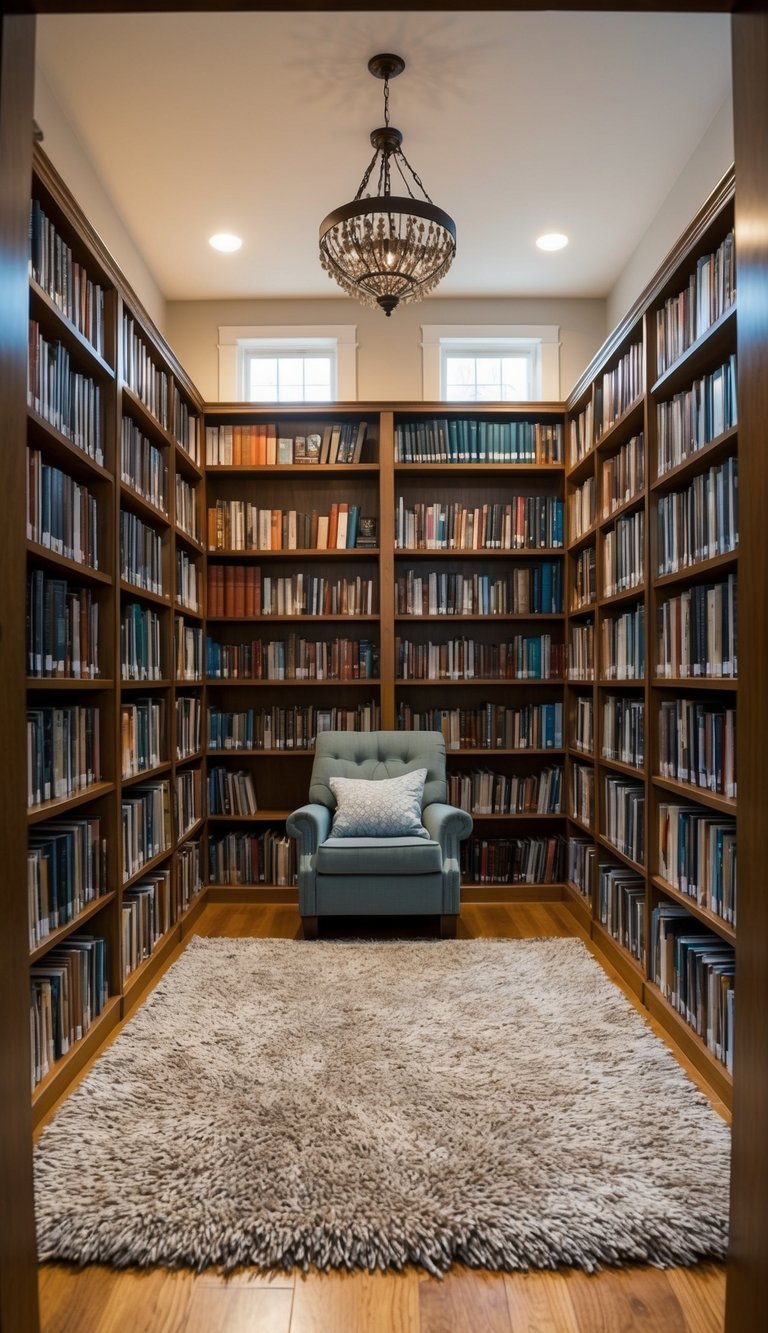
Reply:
x=278, y=364
x=491, y=364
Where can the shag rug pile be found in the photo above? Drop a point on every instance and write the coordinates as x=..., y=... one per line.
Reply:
x=493, y=1102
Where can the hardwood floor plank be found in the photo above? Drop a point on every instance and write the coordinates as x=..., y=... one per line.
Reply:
x=465, y=1301
x=101, y=1300
x=239, y=1309
x=356, y=1303
x=626, y=1300
x=246, y=1277
x=541, y=1303
x=701, y=1293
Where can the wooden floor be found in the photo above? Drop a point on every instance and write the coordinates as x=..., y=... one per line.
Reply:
x=100, y=1300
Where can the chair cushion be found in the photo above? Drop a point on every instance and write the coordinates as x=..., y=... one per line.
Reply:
x=379, y=807
x=379, y=856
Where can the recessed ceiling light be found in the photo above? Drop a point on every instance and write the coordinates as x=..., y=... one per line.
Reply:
x=552, y=240
x=225, y=241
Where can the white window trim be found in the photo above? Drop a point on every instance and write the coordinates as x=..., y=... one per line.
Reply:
x=341, y=336
x=434, y=337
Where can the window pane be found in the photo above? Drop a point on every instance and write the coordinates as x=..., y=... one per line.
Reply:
x=317, y=371
x=263, y=371
x=488, y=371
x=460, y=369
x=291, y=371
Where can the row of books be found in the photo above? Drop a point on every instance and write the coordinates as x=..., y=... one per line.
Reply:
x=490, y=726
x=141, y=554
x=621, y=908
x=695, y=416
x=623, y=559
x=466, y=440
x=141, y=653
x=697, y=744
x=524, y=523
x=53, y=266
x=63, y=751
x=62, y=629
x=185, y=425
x=584, y=579
x=584, y=725
x=251, y=858
x=700, y=522
x=697, y=856
x=231, y=792
x=485, y=792
x=710, y=291
x=68, y=990
x=581, y=650
x=146, y=825
x=532, y=860
x=622, y=645
x=189, y=799
x=619, y=388
x=62, y=514
x=581, y=856
x=239, y=525
x=582, y=794
x=624, y=730
x=142, y=732
x=186, y=508
x=146, y=379
x=187, y=593
x=66, y=870
x=68, y=400
x=695, y=971
x=523, y=657
x=189, y=876
x=624, y=816
x=294, y=658
x=582, y=434
x=267, y=444
x=535, y=589
x=189, y=725
x=622, y=475
x=146, y=916
x=189, y=650
x=293, y=728
x=246, y=592
x=697, y=632
x=582, y=508
x=143, y=466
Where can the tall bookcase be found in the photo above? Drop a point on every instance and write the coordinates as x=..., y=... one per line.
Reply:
x=653, y=676
x=114, y=510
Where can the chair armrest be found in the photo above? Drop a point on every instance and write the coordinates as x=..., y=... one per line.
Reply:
x=310, y=826
x=449, y=826
x=446, y=823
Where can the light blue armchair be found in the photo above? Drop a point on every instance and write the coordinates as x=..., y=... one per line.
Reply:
x=379, y=876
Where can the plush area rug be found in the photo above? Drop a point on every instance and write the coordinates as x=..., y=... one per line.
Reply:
x=355, y=1104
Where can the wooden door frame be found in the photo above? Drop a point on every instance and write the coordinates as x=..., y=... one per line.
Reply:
x=748, y=1261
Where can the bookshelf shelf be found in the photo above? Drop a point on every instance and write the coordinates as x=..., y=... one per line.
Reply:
x=163, y=684
x=62, y=932
x=187, y=539
x=146, y=869
x=292, y=620
x=131, y=498
x=55, y=683
x=614, y=850
x=191, y=832
x=213, y=753
x=620, y=598
x=689, y=1041
x=63, y=452
x=711, y=346
x=582, y=469
x=579, y=824
x=259, y=817
x=133, y=405
x=723, y=446
x=230, y=681
x=586, y=538
x=616, y=765
x=697, y=795
x=490, y=682
x=501, y=617
x=62, y=564
x=717, y=923
x=185, y=464
x=478, y=468
x=635, y=501
x=63, y=804
x=134, y=591
x=146, y=774
x=48, y=313
x=622, y=428
x=728, y=684
x=482, y=553
x=311, y=553
x=314, y=470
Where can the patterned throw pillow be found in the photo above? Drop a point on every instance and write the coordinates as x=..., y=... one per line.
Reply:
x=379, y=807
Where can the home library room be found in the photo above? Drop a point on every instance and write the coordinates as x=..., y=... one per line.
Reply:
x=550, y=585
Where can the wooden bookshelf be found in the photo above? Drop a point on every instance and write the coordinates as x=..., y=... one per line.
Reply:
x=634, y=437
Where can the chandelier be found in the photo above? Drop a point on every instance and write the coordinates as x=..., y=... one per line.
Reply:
x=387, y=249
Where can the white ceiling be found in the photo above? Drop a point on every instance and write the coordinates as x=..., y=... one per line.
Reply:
x=517, y=123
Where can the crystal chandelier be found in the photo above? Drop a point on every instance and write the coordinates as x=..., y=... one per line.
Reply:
x=387, y=249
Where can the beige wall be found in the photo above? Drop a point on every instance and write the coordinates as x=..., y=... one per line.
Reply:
x=705, y=167
x=65, y=151
x=389, y=350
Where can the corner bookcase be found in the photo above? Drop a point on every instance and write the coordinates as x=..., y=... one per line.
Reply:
x=551, y=585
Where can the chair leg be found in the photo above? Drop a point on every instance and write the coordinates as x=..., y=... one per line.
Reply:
x=448, y=926
x=310, y=925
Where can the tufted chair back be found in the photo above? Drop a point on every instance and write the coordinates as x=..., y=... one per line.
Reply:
x=377, y=754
